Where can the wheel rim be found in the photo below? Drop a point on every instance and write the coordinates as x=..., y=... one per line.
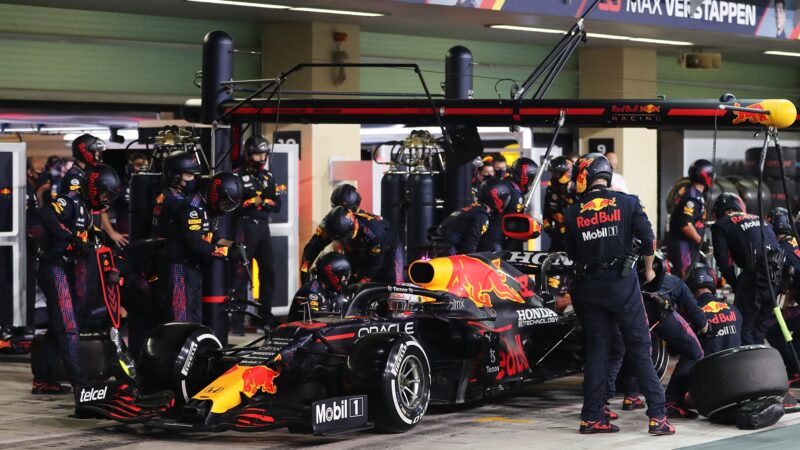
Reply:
x=409, y=382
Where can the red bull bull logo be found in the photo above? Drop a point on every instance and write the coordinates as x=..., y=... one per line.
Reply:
x=583, y=174
x=482, y=282
x=714, y=307
x=598, y=204
x=5, y=191
x=650, y=109
x=740, y=117
x=259, y=378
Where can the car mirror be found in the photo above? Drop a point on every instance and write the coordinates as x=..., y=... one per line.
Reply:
x=521, y=227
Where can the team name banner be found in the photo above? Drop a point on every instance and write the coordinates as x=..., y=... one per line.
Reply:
x=768, y=18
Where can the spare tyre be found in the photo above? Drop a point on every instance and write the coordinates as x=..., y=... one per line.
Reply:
x=170, y=359
x=747, y=188
x=675, y=192
x=721, y=184
x=771, y=164
x=776, y=192
x=721, y=381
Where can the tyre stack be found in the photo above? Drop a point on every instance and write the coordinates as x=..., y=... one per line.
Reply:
x=772, y=174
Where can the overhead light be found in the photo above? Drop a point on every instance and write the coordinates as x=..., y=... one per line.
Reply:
x=777, y=53
x=235, y=3
x=289, y=8
x=337, y=11
x=615, y=37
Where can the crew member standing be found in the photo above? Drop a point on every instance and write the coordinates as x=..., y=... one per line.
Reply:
x=67, y=222
x=559, y=195
x=600, y=230
x=251, y=221
x=779, y=219
x=737, y=240
x=137, y=163
x=686, y=223
x=521, y=176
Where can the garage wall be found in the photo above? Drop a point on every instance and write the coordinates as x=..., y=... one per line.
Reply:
x=495, y=60
x=63, y=54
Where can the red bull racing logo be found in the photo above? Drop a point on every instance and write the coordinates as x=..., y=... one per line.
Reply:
x=259, y=378
x=740, y=117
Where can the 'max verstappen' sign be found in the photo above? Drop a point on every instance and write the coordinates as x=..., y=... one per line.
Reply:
x=750, y=17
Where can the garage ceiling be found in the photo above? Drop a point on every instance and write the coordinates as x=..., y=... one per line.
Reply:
x=439, y=21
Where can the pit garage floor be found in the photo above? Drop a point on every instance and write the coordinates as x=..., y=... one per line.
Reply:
x=541, y=417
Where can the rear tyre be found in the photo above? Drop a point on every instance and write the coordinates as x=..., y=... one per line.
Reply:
x=170, y=356
x=719, y=382
x=659, y=354
x=395, y=371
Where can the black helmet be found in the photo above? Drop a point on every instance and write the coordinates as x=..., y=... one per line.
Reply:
x=659, y=267
x=346, y=195
x=590, y=168
x=333, y=271
x=495, y=194
x=255, y=145
x=51, y=161
x=224, y=192
x=129, y=167
x=702, y=171
x=177, y=163
x=701, y=276
x=779, y=217
x=523, y=171
x=102, y=186
x=86, y=149
x=727, y=201
x=340, y=224
x=560, y=169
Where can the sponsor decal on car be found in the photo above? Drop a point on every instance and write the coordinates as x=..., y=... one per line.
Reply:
x=189, y=359
x=339, y=413
x=407, y=328
x=535, y=316
x=92, y=394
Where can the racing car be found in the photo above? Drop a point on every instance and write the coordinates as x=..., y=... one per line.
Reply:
x=469, y=327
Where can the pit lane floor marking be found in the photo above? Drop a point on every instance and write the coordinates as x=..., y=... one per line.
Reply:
x=501, y=419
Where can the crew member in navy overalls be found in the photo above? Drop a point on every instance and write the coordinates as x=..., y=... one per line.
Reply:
x=559, y=195
x=67, y=223
x=686, y=223
x=737, y=242
x=463, y=231
x=325, y=291
x=600, y=229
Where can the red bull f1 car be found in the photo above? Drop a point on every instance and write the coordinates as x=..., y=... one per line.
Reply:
x=468, y=328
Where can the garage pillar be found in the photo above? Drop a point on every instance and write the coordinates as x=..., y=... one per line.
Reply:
x=625, y=73
x=287, y=44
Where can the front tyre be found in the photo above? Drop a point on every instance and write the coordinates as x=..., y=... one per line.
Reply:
x=399, y=392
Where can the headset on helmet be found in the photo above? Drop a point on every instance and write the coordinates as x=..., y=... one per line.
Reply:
x=495, y=194
x=590, y=168
x=727, y=201
x=779, y=217
x=523, y=171
x=659, y=267
x=87, y=148
x=560, y=169
x=701, y=276
x=102, y=186
x=346, y=195
x=702, y=171
x=333, y=271
x=178, y=163
x=224, y=192
x=340, y=224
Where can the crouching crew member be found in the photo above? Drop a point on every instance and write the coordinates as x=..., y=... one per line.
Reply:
x=367, y=240
x=463, y=230
x=189, y=242
x=737, y=240
x=686, y=225
x=600, y=230
x=724, y=321
x=251, y=221
x=67, y=222
x=325, y=292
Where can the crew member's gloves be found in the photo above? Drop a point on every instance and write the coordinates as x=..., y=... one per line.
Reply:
x=237, y=253
x=220, y=252
x=304, y=272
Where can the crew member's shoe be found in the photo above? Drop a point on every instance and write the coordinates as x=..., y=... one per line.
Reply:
x=660, y=427
x=794, y=381
x=789, y=401
x=44, y=388
x=610, y=415
x=675, y=411
x=597, y=426
x=632, y=402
